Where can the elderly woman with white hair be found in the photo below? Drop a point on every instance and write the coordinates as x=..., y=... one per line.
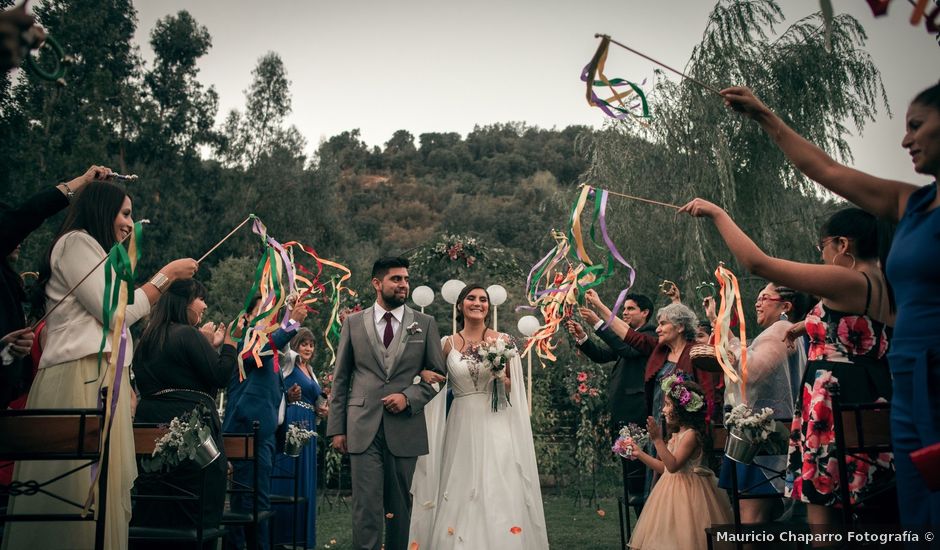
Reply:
x=668, y=352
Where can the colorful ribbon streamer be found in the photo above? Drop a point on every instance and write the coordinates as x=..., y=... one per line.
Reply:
x=117, y=296
x=596, y=68
x=297, y=280
x=564, y=285
x=730, y=293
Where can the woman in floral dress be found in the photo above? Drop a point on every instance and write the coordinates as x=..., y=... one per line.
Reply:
x=849, y=337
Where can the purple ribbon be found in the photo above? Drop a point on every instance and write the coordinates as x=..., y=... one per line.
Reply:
x=622, y=297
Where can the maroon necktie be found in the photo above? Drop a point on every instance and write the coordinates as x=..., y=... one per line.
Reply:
x=387, y=337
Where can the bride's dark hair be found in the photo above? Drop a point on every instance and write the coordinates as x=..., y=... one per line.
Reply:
x=463, y=295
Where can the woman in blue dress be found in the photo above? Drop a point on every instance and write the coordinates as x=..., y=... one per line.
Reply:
x=914, y=355
x=297, y=370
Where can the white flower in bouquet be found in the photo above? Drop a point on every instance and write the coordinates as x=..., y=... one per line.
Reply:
x=631, y=433
x=298, y=435
x=756, y=425
x=494, y=355
x=180, y=443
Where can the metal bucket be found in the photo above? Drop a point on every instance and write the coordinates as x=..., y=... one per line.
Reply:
x=206, y=452
x=292, y=449
x=741, y=448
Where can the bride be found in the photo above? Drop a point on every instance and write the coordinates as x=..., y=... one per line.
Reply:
x=478, y=487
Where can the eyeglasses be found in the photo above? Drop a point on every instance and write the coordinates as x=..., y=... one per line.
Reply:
x=823, y=243
x=767, y=298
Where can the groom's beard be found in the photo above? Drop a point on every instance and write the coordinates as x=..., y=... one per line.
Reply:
x=392, y=300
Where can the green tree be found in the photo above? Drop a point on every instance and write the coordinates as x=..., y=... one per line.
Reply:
x=184, y=113
x=694, y=147
x=261, y=129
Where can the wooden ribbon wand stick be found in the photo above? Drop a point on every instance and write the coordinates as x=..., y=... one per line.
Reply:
x=660, y=63
x=79, y=283
x=87, y=275
x=641, y=199
x=225, y=238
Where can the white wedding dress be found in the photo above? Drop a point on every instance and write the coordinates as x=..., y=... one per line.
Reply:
x=478, y=487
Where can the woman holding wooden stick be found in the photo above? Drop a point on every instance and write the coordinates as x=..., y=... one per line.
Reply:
x=69, y=374
x=914, y=355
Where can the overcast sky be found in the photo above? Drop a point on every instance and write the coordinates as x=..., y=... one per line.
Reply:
x=441, y=65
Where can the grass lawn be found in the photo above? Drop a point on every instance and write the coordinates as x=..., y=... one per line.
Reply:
x=569, y=525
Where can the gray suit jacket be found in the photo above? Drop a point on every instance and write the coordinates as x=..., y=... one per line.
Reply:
x=366, y=372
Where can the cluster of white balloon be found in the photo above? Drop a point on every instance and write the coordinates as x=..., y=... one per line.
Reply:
x=423, y=296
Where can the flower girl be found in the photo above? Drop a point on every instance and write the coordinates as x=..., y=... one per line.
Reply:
x=686, y=499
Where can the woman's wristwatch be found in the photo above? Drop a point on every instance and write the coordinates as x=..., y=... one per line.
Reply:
x=160, y=281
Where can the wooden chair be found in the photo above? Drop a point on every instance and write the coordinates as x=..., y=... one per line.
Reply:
x=164, y=490
x=50, y=435
x=860, y=428
x=241, y=447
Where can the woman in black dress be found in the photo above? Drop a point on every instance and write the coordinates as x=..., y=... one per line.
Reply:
x=178, y=369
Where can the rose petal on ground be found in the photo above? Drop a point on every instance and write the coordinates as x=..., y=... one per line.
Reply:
x=515, y=530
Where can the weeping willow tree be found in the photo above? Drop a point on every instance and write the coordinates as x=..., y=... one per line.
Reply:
x=694, y=146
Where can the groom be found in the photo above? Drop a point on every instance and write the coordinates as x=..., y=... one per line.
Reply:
x=375, y=410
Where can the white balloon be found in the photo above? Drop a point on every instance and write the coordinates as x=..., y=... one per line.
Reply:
x=422, y=296
x=451, y=290
x=497, y=294
x=528, y=324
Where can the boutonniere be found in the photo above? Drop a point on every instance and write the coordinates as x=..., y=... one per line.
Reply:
x=413, y=328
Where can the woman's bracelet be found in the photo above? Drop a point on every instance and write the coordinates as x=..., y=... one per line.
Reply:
x=160, y=281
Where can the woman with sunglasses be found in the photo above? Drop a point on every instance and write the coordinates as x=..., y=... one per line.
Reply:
x=848, y=333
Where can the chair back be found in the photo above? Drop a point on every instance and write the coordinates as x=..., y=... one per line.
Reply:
x=161, y=487
x=860, y=428
x=73, y=435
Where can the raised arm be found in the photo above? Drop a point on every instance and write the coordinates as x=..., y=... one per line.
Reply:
x=881, y=197
x=837, y=284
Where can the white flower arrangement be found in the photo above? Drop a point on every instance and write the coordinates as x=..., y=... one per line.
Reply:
x=758, y=426
x=180, y=443
x=298, y=435
x=494, y=355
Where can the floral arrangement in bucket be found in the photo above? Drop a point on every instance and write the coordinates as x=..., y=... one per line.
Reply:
x=494, y=355
x=747, y=431
x=631, y=433
x=297, y=436
x=185, y=439
x=756, y=426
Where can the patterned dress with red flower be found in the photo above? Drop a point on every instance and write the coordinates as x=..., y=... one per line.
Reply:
x=848, y=349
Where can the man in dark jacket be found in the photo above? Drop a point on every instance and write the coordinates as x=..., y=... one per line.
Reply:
x=626, y=398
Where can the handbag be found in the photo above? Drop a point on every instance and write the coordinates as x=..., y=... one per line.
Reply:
x=927, y=462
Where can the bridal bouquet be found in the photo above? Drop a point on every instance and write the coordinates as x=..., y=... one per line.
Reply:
x=494, y=355
x=631, y=433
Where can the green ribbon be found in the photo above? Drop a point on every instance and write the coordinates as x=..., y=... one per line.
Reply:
x=117, y=270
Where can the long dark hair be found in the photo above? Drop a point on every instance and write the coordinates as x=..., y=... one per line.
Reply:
x=173, y=307
x=93, y=211
x=463, y=295
x=872, y=238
